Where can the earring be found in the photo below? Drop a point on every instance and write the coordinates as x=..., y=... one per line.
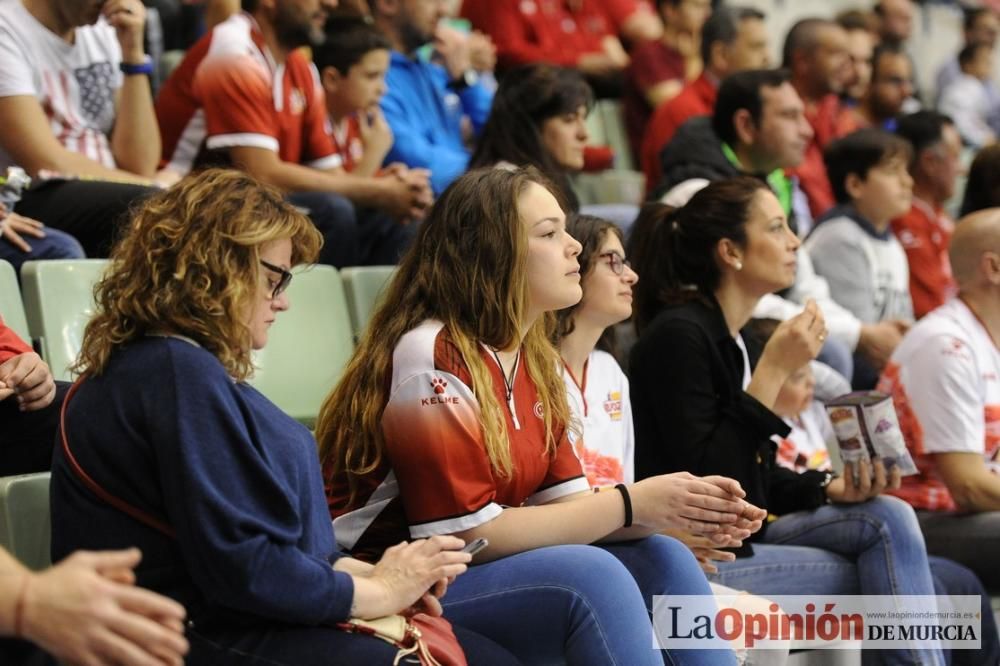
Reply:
x=739, y=265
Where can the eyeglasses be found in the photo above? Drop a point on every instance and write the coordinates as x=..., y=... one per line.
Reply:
x=616, y=261
x=283, y=282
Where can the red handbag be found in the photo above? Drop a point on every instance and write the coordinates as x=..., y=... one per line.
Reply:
x=431, y=639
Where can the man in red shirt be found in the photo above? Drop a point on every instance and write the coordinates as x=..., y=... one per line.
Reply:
x=29, y=407
x=815, y=53
x=581, y=34
x=925, y=231
x=734, y=39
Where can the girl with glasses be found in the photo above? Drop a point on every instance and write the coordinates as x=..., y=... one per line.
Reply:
x=169, y=449
x=452, y=419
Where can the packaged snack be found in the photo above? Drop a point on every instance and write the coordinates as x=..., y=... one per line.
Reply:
x=866, y=427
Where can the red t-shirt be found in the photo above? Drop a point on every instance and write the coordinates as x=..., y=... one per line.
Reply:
x=435, y=476
x=229, y=92
x=10, y=344
x=652, y=63
x=528, y=31
x=811, y=173
x=347, y=142
x=925, y=233
x=696, y=99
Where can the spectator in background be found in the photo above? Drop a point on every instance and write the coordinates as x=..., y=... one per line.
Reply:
x=87, y=610
x=967, y=98
x=815, y=54
x=943, y=380
x=980, y=25
x=539, y=119
x=434, y=110
x=895, y=20
x=582, y=34
x=861, y=40
x=75, y=102
x=659, y=69
x=23, y=239
x=925, y=231
x=891, y=86
x=852, y=246
x=220, y=107
x=733, y=39
x=29, y=407
x=982, y=188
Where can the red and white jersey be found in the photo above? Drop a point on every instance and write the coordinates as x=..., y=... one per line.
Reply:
x=75, y=84
x=229, y=92
x=436, y=477
x=944, y=378
x=806, y=446
x=347, y=141
x=601, y=404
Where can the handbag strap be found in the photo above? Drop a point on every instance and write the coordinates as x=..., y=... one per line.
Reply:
x=96, y=488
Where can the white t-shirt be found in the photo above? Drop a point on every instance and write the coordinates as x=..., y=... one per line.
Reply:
x=944, y=378
x=75, y=83
x=807, y=446
x=604, y=411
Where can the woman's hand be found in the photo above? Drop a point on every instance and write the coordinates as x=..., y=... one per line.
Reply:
x=685, y=502
x=408, y=573
x=862, y=481
x=795, y=341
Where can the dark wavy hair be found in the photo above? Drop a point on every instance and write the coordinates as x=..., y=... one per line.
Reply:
x=526, y=98
x=678, y=261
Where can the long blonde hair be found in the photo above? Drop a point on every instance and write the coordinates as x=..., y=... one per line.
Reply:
x=189, y=264
x=467, y=270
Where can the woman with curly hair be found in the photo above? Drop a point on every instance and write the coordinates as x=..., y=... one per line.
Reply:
x=452, y=419
x=166, y=446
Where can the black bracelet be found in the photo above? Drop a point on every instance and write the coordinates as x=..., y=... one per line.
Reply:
x=628, y=503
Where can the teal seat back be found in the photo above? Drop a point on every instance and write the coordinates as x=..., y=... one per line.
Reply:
x=58, y=300
x=364, y=286
x=11, y=307
x=25, y=525
x=308, y=346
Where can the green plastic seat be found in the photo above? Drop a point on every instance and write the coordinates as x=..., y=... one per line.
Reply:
x=308, y=346
x=58, y=300
x=364, y=286
x=11, y=307
x=25, y=524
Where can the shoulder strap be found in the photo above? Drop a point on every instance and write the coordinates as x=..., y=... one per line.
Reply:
x=96, y=488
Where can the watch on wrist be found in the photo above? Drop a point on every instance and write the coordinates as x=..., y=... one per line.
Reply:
x=144, y=67
x=468, y=78
x=827, y=480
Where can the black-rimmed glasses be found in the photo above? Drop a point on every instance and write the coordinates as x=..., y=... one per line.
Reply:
x=616, y=261
x=283, y=282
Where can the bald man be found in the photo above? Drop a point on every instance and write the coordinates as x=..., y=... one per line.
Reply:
x=944, y=378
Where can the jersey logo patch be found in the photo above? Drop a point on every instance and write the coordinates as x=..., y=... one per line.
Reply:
x=438, y=385
x=613, y=405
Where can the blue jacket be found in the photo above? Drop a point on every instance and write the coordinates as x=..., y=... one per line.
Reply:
x=426, y=118
x=167, y=430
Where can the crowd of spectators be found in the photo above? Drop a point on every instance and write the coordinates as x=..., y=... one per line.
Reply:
x=796, y=244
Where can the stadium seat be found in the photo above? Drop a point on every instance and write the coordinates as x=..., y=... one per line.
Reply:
x=308, y=346
x=11, y=307
x=25, y=524
x=363, y=286
x=58, y=301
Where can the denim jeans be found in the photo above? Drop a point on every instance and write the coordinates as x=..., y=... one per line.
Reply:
x=580, y=605
x=874, y=547
x=56, y=245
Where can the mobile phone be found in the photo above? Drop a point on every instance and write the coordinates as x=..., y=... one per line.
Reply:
x=474, y=547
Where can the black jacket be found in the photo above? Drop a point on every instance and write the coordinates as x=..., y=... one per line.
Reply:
x=695, y=151
x=692, y=415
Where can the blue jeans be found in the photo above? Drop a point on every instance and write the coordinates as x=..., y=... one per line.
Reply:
x=580, y=605
x=874, y=547
x=56, y=245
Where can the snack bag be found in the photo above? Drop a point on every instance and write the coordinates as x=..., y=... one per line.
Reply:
x=866, y=427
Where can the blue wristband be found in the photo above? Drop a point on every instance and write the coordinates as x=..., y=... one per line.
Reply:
x=145, y=67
